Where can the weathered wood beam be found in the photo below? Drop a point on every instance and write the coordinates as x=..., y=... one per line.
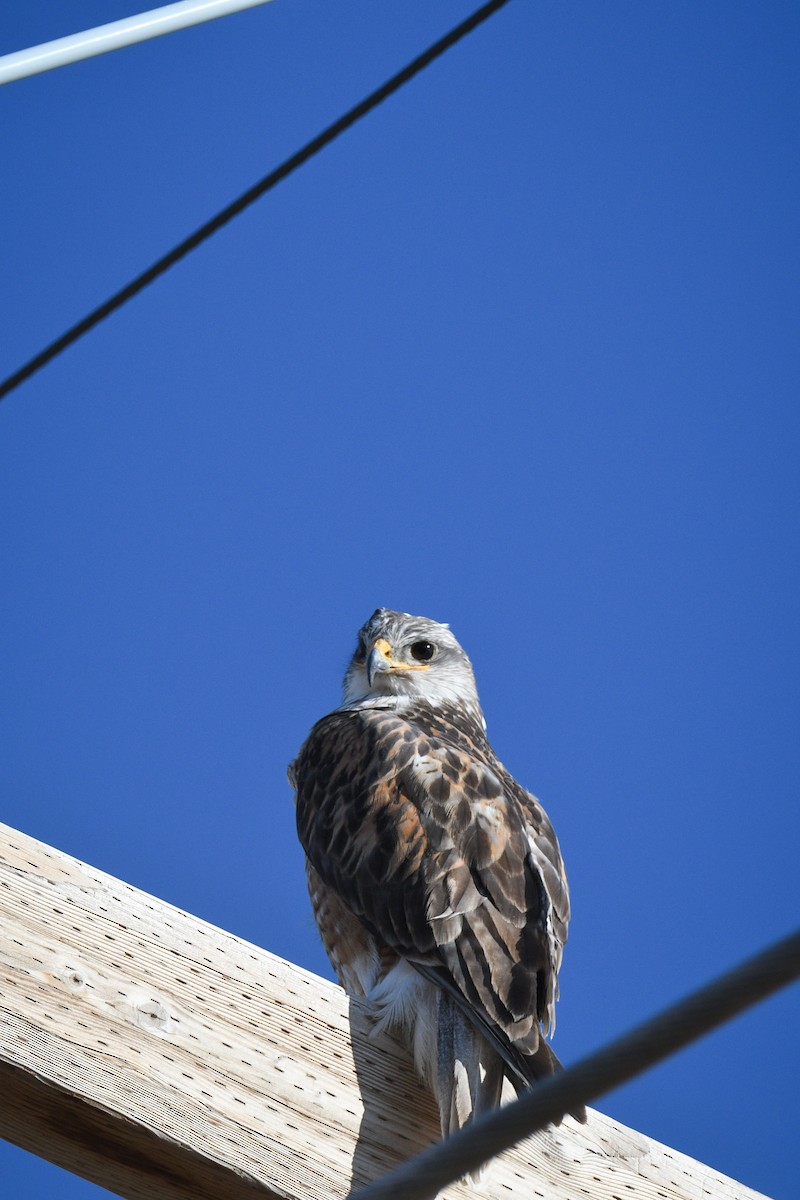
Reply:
x=166, y=1059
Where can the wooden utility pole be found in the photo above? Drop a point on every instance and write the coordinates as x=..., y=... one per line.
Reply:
x=166, y=1059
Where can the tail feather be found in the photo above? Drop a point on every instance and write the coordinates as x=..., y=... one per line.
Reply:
x=523, y=1070
x=469, y=1072
x=463, y=1057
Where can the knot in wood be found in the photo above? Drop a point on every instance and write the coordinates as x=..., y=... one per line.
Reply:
x=74, y=978
x=152, y=1014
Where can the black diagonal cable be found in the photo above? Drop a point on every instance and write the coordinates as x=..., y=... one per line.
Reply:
x=252, y=194
x=670, y=1030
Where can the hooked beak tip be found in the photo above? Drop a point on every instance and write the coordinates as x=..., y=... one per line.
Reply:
x=378, y=660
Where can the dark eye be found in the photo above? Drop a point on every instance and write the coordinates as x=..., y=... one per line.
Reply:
x=423, y=651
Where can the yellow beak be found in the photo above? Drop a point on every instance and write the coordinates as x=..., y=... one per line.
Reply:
x=381, y=658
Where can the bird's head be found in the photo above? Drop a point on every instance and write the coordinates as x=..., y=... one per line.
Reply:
x=410, y=657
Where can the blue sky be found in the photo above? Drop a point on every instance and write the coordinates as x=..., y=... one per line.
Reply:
x=519, y=352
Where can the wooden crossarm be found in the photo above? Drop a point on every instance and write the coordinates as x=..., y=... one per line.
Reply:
x=165, y=1059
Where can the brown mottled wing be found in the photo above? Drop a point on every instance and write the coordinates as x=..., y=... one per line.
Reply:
x=545, y=858
x=363, y=836
x=499, y=903
x=447, y=861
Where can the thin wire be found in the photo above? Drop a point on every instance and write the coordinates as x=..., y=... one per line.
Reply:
x=252, y=194
x=422, y=1177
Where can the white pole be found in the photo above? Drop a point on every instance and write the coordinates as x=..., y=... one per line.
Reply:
x=115, y=35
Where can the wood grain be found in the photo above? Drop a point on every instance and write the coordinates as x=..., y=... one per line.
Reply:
x=166, y=1059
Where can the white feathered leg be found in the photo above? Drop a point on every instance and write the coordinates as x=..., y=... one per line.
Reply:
x=459, y=1066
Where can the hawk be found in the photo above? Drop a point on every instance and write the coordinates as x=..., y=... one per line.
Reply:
x=436, y=880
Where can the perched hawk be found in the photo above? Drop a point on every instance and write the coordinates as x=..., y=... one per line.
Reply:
x=436, y=880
